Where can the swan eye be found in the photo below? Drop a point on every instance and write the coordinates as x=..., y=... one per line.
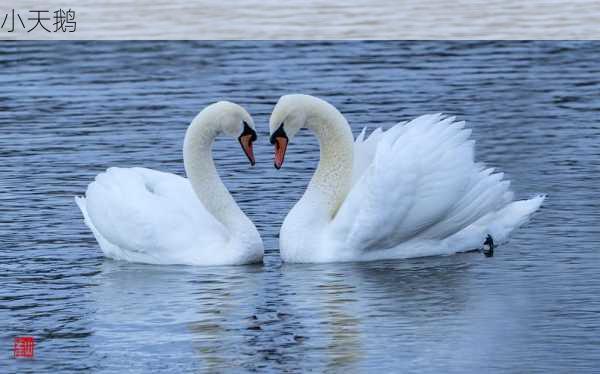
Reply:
x=280, y=133
x=248, y=131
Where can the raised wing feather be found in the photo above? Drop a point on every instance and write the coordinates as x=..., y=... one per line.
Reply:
x=417, y=179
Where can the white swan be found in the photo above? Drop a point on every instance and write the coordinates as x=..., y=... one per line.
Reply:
x=143, y=215
x=413, y=190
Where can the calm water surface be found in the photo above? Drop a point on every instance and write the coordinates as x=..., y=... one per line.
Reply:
x=70, y=110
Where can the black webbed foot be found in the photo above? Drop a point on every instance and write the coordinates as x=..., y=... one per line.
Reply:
x=488, y=246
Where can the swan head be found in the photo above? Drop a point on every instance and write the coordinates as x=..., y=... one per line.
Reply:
x=233, y=120
x=287, y=118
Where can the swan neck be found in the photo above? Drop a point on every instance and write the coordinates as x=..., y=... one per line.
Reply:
x=333, y=177
x=202, y=173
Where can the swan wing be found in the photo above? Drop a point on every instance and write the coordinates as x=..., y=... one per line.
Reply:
x=364, y=151
x=144, y=215
x=417, y=180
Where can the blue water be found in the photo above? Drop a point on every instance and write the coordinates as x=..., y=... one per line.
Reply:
x=70, y=110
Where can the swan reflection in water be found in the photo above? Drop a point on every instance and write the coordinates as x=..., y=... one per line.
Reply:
x=313, y=316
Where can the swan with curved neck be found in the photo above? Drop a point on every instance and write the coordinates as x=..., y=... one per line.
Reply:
x=404, y=192
x=332, y=179
x=143, y=215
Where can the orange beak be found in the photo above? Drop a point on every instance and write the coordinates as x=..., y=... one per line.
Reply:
x=246, y=139
x=280, y=148
x=280, y=140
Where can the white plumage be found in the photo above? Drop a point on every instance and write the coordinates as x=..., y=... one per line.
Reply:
x=148, y=216
x=143, y=215
x=415, y=190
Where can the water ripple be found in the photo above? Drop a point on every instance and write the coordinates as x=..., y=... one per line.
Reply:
x=70, y=112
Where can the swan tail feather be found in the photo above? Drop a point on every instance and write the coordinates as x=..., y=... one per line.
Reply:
x=499, y=225
x=107, y=248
